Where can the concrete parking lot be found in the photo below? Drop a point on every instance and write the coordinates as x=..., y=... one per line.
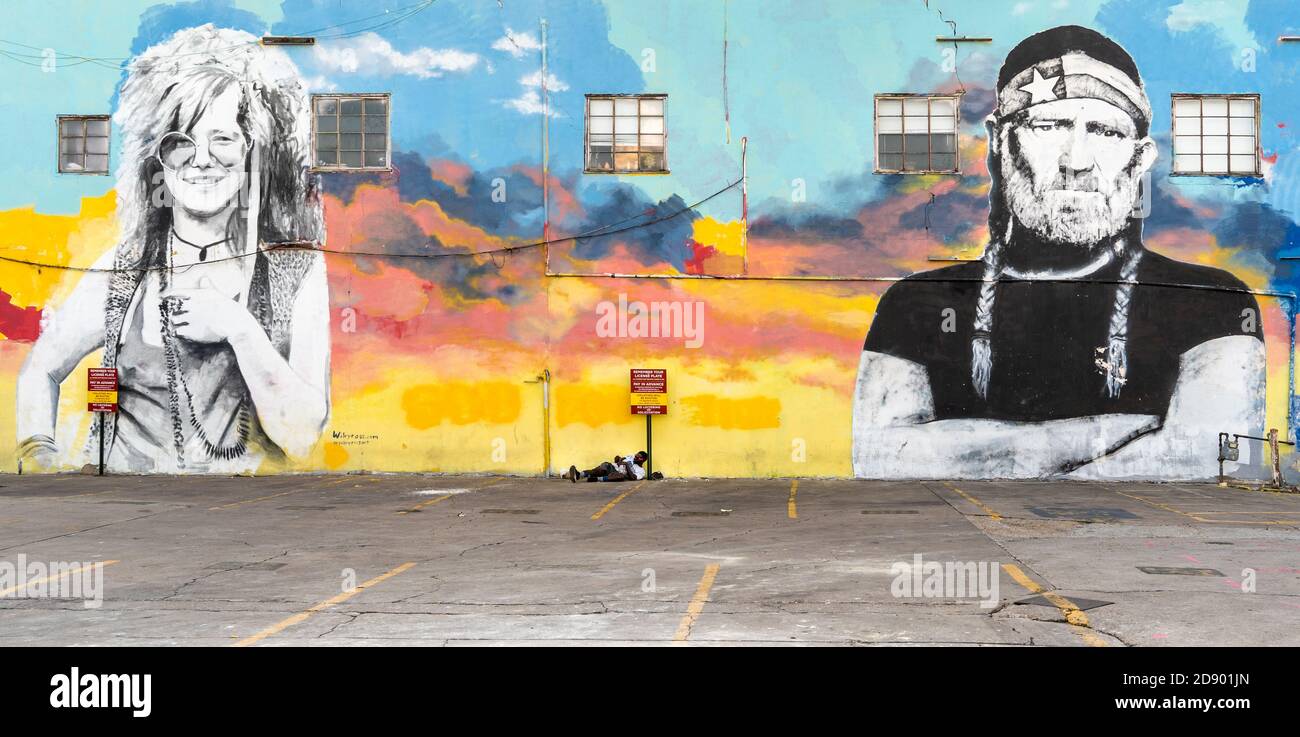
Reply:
x=443, y=560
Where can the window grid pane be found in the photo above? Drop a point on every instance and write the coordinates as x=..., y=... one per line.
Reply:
x=351, y=132
x=83, y=144
x=626, y=134
x=1216, y=135
x=916, y=134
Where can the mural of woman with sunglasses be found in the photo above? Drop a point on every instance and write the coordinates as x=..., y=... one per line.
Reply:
x=214, y=306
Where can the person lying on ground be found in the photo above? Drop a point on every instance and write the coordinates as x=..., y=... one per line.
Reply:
x=624, y=468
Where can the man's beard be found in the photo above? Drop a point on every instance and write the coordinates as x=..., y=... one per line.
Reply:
x=1079, y=213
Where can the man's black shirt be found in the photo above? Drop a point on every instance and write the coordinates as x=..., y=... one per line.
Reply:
x=1046, y=334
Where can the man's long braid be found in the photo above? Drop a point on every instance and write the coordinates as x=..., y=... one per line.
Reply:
x=981, y=346
x=1117, y=345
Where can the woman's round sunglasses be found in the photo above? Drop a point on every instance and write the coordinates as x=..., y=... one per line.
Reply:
x=176, y=151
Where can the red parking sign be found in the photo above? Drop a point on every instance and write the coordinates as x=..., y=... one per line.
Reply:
x=649, y=392
x=101, y=390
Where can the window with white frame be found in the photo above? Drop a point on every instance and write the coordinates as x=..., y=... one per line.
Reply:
x=83, y=144
x=916, y=133
x=1216, y=135
x=350, y=132
x=626, y=134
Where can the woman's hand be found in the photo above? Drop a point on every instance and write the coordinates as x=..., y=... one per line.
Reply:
x=205, y=315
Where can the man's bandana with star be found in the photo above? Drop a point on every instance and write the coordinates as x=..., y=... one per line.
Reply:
x=1042, y=89
x=1074, y=75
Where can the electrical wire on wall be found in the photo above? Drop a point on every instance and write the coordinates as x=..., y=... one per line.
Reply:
x=726, y=101
x=961, y=89
x=391, y=18
x=599, y=232
x=961, y=86
x=546, y=151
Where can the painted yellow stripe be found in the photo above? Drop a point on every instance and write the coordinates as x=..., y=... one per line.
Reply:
x=1278, y=518
x=697, y=603
x=89, y=493
x=46, y=579
x=1249, y=521
x=986, y=508
x=789, y=506
x=295, y=491
x=1274, y=512
x=258, y=499
x=617, y=499
x=306, y=613
x=1072, y=613
x=1157, y=505
x=445, y=497
x=1199, y=518
x=422, y=505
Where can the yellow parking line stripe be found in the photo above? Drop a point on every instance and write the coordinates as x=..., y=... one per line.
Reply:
x=89, y=493
x=445, y=497
x=1229, y=512
x=1075, y=616
x=617, y=499
x=987, y=509
x=62, y=574
x=258, y=499
x=1158, y=505
x=697, y=603
x=306, y=613
x=1199, y=518
x=428, y=503
x=789, y=507
x=1248, y=521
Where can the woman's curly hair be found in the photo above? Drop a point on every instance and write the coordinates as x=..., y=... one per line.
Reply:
x=168, y=87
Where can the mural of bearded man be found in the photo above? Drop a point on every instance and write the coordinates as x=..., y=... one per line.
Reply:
x=1068, y=349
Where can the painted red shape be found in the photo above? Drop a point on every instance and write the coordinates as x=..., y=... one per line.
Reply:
x=699, y=254
x=18, y=323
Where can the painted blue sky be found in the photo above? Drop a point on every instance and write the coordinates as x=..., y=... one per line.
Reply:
x=801, y=77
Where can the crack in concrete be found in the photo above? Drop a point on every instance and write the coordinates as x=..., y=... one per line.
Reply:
x=78, y=532
x=1049, y=588
x=176, y=592
x=844, y=561
x=462, y=553
x=352, y=617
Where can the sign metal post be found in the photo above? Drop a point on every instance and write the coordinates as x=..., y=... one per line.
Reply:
x=649, y=397
x=101, y=398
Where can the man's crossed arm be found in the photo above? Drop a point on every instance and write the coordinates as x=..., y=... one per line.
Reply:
x=1220, y=388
